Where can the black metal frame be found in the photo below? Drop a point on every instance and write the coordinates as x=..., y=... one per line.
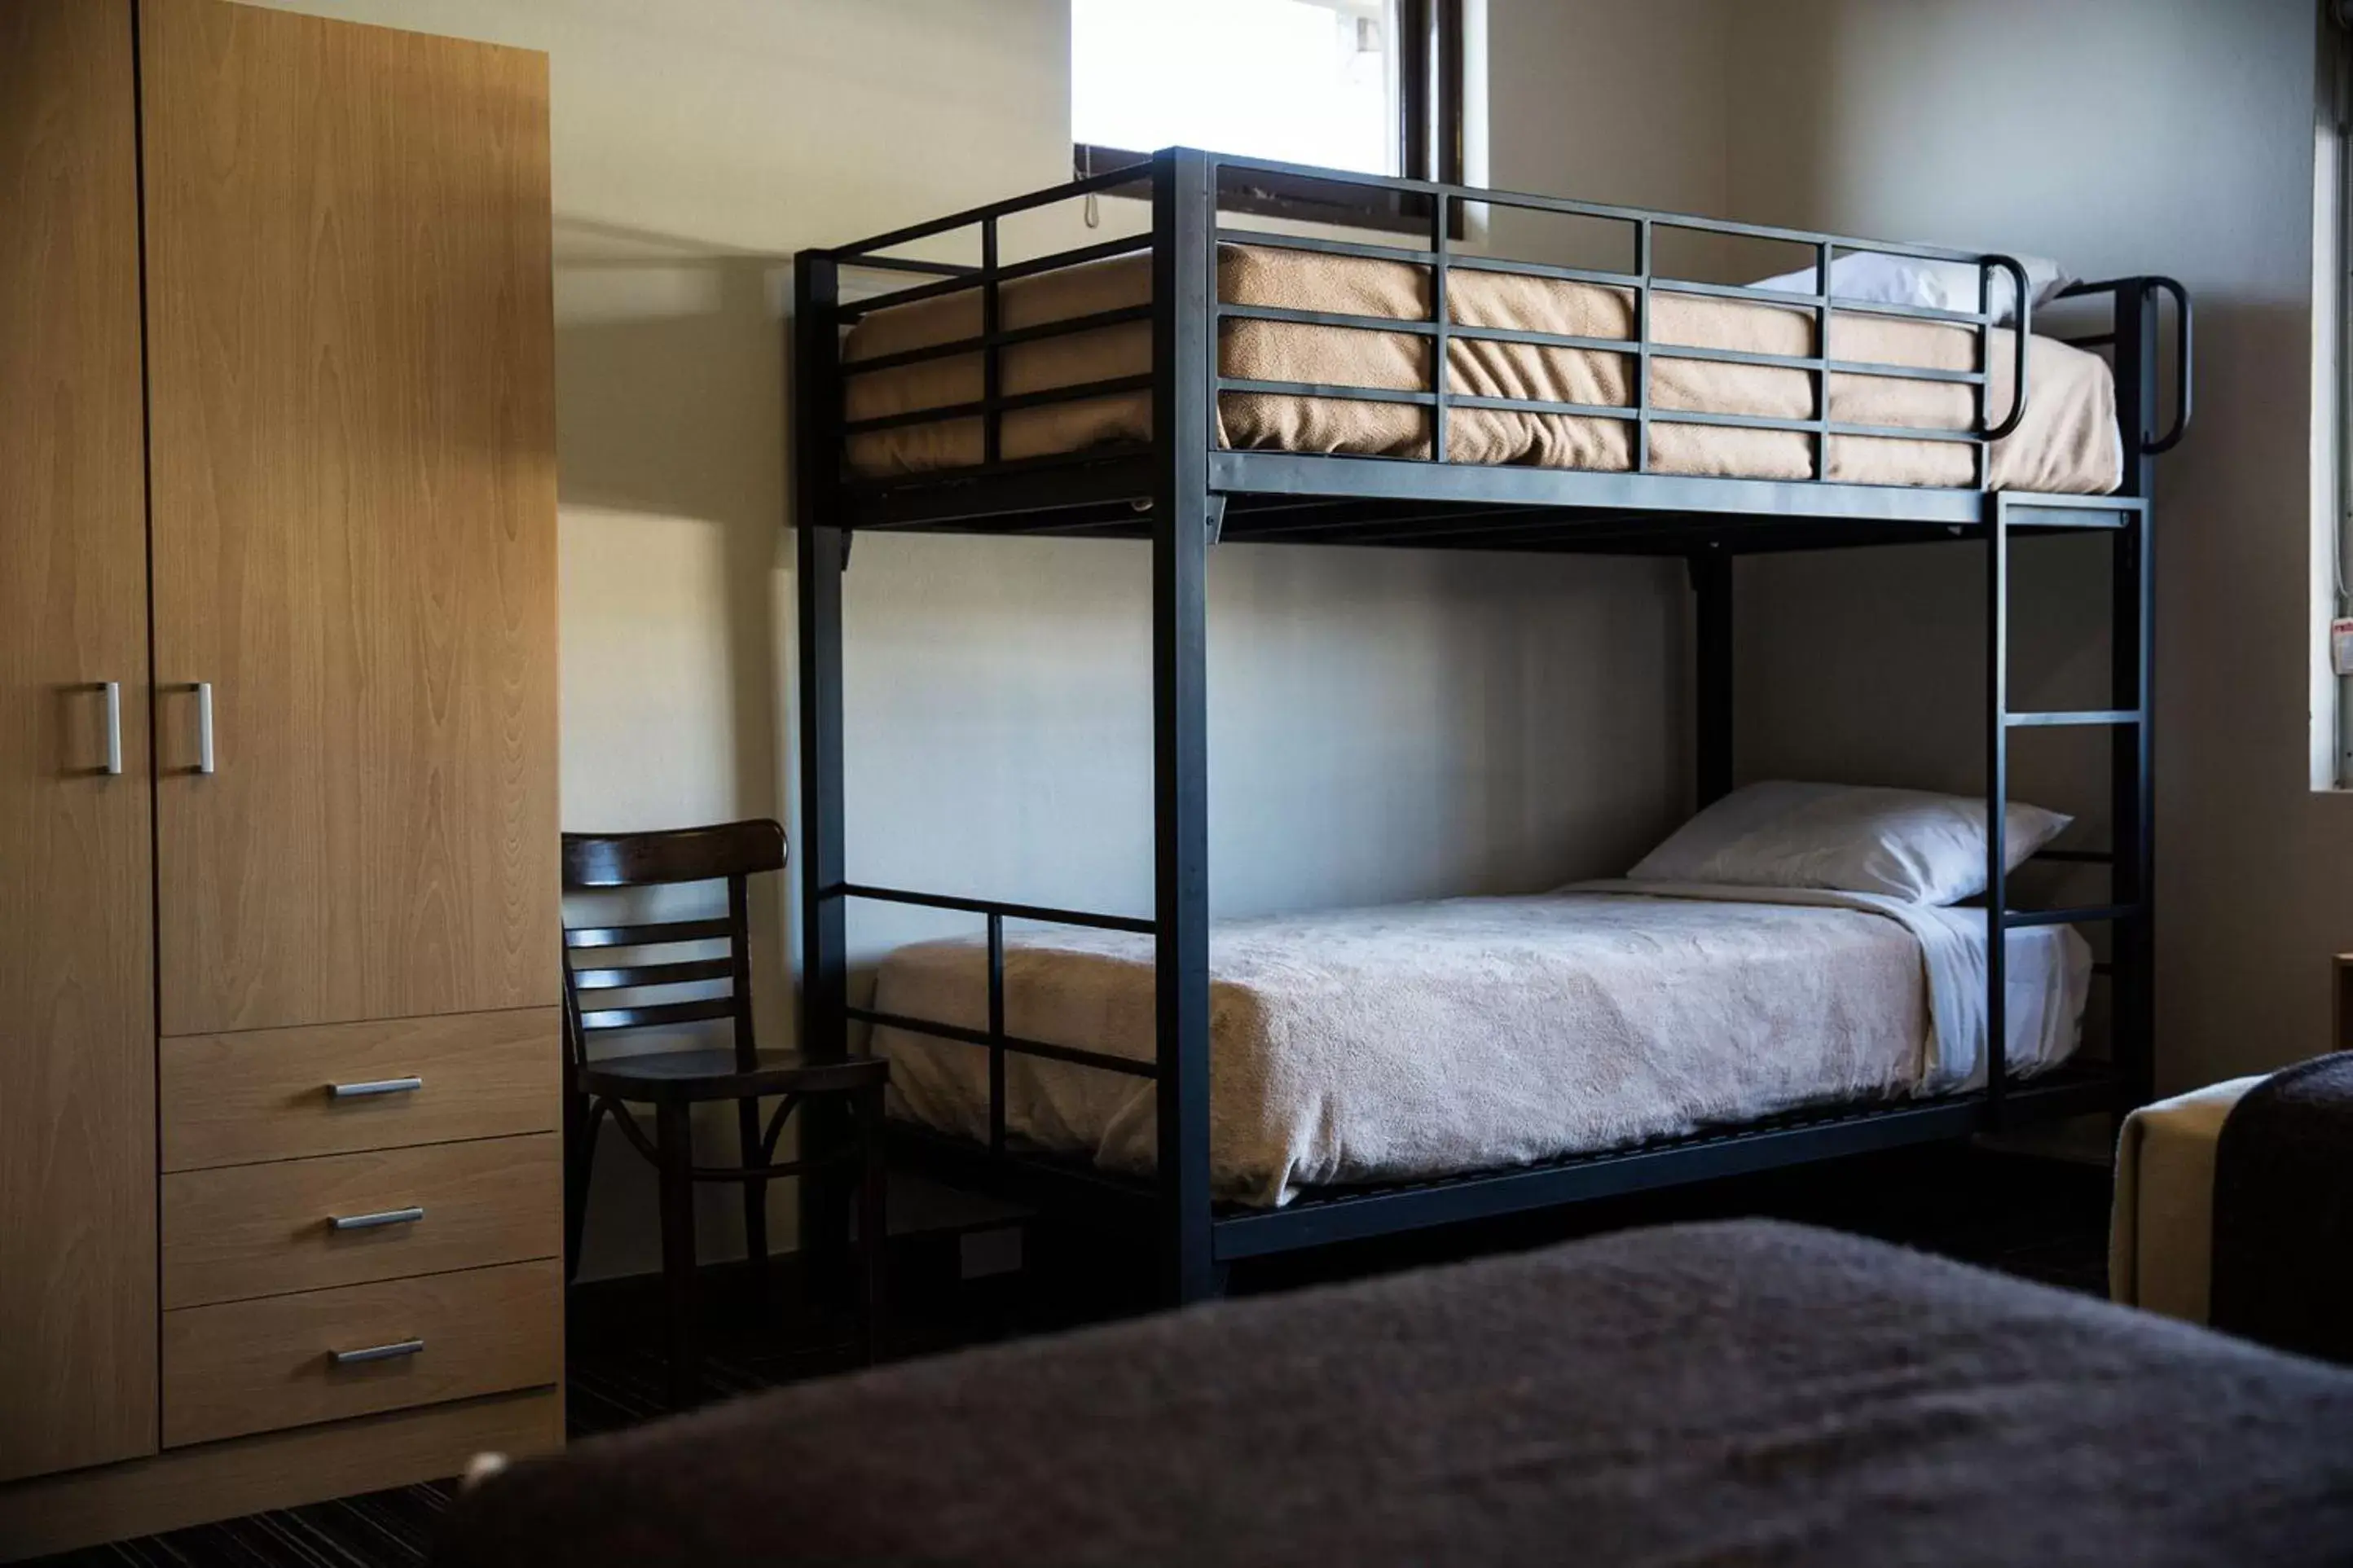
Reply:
x=1184, y=493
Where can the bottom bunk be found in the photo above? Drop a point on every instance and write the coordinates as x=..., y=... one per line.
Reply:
x=1412, y=1041
x=1383, y=1069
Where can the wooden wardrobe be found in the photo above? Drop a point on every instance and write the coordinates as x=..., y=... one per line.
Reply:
x=279, y=1048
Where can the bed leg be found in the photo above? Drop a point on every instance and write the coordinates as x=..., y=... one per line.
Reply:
x=1711, y=578
x=821, y=546
x=674, y=1141
x=1183, y=217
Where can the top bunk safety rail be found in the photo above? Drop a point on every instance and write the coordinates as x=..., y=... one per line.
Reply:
x=1200, y=183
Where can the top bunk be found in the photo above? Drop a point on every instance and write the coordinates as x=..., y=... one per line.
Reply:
x=1291, y=370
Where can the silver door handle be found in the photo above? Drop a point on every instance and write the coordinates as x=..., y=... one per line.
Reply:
x=114, y=690
x=373, y=1086
x=203, y=690
x=409, y=1215
x=375, y=1353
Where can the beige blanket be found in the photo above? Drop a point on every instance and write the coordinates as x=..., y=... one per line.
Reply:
x=2161, y=1231
x=2067, y=442
x=1425, y=1039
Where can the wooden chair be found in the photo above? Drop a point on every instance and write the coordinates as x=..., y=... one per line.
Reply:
x=671, y=1083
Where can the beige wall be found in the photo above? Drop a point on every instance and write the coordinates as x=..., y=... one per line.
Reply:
x=1386, y=724
x=2120, y=136
x=1389, y=724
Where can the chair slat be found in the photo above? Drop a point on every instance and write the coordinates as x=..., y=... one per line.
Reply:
x=657, y=934
x=659, y=1012
x=673, y=854
x=636, y=976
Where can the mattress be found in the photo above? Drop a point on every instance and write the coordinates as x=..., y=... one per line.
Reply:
x=1750, y=1393
x=1427, y=1039
x=2066, y=442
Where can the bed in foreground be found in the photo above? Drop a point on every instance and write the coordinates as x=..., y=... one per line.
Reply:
x=1730, y=1393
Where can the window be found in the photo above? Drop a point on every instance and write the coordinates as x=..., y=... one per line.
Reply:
x=1370, y=86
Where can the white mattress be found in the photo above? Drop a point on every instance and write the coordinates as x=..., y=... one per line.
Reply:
x=1427, y=1039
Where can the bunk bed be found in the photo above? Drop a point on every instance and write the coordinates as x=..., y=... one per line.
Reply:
x=1196, y=383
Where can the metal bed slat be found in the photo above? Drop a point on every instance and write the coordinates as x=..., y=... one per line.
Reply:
x=913, y=264
x=1571, y=207
x=1128, y=1066
x=1588, y=411
x=1068, y=326
x=1809, y=301
x=964, y=282
x=1627, y=346
x=1005, y=405
x=2059, y=720
x=1041, y=913
x=2087, y=914
x=861, y=251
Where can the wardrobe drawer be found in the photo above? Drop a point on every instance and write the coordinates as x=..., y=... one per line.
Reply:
x=255, y=1367
x=240, y=1231
x=271, y=1094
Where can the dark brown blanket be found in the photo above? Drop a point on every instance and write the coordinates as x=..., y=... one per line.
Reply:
x=1747, y=1393
x=2282, y=1263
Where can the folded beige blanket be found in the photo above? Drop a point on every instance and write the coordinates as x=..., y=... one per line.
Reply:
x=2067, y=442
x=2161, y=1233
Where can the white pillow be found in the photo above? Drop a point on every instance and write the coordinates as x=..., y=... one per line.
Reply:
x=1907, y=844
x=1875, y=278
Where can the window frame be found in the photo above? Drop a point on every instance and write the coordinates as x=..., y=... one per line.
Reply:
x=2332, y=394
x=1432, y=83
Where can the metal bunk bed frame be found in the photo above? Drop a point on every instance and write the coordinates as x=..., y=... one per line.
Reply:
x=1186, y=493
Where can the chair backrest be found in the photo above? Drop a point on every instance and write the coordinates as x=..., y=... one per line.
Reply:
x=731, y=852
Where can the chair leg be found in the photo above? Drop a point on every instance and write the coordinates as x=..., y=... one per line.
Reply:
x=755, y=1201
x=829, y=1194
x=873, y=1224
x=674, y=1142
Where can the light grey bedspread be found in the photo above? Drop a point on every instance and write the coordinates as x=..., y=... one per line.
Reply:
x=1423, y=1039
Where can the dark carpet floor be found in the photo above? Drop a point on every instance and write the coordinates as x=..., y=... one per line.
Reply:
x=2042, y=1219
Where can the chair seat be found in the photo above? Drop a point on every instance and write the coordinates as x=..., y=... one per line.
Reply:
x=712, y=1074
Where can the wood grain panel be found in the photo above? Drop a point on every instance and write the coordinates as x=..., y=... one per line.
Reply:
x=277, y=1469
x=355, y=518
x=257, y=1366
x=77, y=1029
x=232, y=1100
x=264, y=1230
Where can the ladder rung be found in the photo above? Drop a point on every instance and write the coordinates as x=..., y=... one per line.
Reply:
x=2086, y=913
x=2069, y=720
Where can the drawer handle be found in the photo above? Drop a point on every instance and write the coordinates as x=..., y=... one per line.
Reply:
x=392, y=1352
x=374, y=1086
x=409, y=1215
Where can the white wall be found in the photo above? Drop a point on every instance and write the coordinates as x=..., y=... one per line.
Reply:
x=2120, y=136
x=1386, y=724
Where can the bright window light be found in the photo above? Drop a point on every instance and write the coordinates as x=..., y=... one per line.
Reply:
x=1302, y=81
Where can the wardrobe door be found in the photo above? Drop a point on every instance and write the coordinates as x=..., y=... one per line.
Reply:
x=76, y=996
x=354, y=520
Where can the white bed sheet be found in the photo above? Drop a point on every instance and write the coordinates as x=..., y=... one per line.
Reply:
x=1425, y=1039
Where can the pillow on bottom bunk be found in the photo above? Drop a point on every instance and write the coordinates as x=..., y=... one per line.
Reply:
x=1905, y=844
